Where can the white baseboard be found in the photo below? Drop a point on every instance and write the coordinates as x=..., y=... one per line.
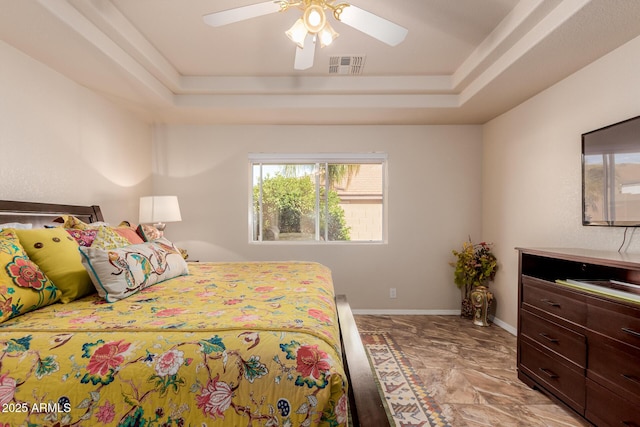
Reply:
x=389, y=312
x=507, y=327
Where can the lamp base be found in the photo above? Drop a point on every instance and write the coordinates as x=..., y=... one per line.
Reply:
x=160, y=226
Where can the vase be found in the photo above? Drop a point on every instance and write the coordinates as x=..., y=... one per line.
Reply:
x=481, y=300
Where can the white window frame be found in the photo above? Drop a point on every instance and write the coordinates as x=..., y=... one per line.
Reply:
x=261, y=159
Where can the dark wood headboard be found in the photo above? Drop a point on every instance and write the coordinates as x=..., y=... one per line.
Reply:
x=40, y=214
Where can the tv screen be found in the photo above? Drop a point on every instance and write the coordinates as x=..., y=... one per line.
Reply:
x=611, y=175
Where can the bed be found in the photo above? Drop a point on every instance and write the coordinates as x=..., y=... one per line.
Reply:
x=218, y=344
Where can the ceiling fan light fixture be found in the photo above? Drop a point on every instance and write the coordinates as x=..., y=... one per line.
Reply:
x=314, y=18
x=297, y=33
x=313, y=24
x=327, y=35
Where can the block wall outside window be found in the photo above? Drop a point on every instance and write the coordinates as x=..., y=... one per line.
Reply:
x=317, y=198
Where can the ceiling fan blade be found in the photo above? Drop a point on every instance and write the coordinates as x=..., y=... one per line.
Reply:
x=230, y=16
x=304, y=57
x=373, y=25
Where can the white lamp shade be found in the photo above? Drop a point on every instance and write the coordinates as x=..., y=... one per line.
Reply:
x=155, y=209
x=297, y=33
x=327, y=35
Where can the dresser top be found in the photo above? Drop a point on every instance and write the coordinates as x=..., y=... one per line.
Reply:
x=589, y=256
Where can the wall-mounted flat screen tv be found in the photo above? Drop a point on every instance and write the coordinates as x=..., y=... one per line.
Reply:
x=611, y=175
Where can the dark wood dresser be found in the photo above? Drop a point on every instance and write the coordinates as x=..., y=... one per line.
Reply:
x=579, y=331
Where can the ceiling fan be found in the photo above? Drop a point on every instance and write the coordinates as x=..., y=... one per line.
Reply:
x=313, y=24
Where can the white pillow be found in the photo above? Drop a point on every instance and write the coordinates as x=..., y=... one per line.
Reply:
x=119, y=273
x=16, y=225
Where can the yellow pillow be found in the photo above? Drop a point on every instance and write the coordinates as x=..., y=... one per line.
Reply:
x=57, y=255
x=107, y=238
x=23, y=286
x=69, y=221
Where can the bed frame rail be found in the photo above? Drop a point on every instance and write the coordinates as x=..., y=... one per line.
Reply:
x=367, y=408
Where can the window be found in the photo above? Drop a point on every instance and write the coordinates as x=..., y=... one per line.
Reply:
x=317, y=198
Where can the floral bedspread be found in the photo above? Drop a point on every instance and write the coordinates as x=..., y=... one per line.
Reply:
x=231, y=344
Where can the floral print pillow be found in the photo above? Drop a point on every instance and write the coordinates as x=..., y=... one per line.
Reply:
x=121, y=272
x=23, y=286
x=83, y=237
x=107, y=238
x=97, y=234
x=148, y=232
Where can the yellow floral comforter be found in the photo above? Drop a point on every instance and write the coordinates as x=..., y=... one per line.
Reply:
x=231, y=344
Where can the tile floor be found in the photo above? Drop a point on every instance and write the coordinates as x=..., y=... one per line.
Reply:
x=470, y=371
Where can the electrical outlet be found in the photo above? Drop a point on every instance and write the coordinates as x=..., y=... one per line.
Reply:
x=392, y=292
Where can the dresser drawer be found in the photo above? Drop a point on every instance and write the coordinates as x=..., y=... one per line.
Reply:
x=615, y=321
x=562, y=341
x=558, y=378
x=606, y=409
x=616, y=368
x=554, y=300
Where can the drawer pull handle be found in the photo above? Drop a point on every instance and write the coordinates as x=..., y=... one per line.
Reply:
x=548, y=338
x=631, y=378
x=548, y=373
x=549, y=302
x=631, y=332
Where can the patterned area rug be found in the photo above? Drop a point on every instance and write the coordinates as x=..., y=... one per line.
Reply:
x=405, y=396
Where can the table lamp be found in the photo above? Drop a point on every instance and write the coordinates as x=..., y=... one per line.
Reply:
x=158, y=210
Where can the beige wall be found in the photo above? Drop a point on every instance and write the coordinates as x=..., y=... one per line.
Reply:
x=532, y=166
x=60, y=142
x=434, y=203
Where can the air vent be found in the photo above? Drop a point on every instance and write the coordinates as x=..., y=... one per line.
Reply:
x=346, y=65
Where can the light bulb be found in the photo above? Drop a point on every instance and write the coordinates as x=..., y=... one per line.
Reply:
x=314, y=18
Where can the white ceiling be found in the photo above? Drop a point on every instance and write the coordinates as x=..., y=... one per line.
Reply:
x=463, y=61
